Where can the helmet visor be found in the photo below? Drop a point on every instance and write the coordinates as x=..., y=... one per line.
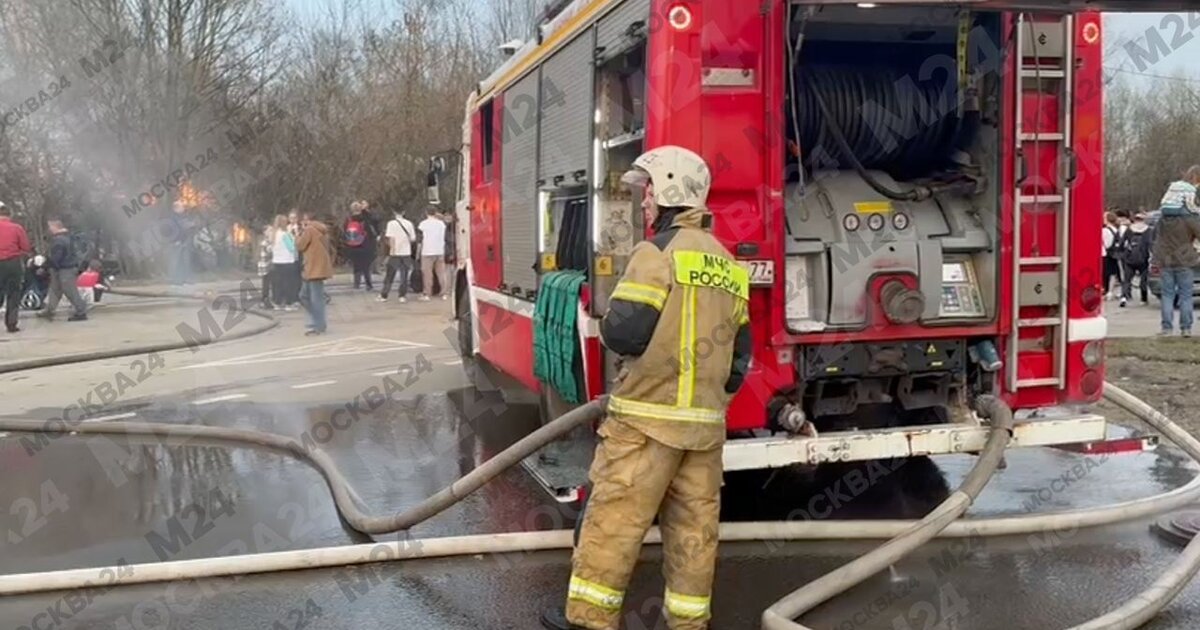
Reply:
x=635, y=178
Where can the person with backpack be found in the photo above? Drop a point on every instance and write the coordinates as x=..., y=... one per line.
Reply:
x=401, y=239
x=1136, y=242
x=359, y=235
x=64, y=273
x=1111, y=261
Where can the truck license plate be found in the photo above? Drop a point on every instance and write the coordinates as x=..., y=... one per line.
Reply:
x=762, y=272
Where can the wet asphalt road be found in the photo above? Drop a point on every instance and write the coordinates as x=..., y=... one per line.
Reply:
x=257, y=501
x=67, y=506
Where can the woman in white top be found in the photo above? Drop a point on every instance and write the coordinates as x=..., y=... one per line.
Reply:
x=283, y=263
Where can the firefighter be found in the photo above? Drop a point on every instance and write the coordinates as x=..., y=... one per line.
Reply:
x=679, y=319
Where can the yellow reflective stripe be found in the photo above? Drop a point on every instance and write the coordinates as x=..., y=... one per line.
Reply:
x=656, y=411
x=700, y=269
x=743, y=313
x=685, y=391
x=641, y=293
x=595, y=594
x=687, y=606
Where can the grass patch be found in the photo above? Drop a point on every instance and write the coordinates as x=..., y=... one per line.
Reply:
x=1168, y=349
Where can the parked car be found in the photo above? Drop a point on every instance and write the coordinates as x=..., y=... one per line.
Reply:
x=1154, y=273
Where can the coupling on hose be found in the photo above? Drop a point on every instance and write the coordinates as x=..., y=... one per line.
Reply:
x=993, y=408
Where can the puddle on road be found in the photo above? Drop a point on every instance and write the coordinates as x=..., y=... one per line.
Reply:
x=132, y=498
x=200, y=500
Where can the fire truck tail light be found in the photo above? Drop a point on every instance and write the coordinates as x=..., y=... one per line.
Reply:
x=1090, y=299
x=1090, y=384
x=680, y=17
x=1093, y=353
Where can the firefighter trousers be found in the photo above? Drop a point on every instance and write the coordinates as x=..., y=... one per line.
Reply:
x=634, y=478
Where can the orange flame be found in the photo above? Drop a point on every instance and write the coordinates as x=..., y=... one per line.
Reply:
x=189, y=196
x=241, y=234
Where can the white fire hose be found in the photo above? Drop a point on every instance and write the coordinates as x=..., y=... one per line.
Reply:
x=906, y=535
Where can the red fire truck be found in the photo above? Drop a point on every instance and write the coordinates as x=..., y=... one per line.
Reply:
x=915, y=187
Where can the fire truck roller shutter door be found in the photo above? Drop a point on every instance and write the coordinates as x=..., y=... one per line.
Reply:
x=612, y=35
x=567, y=107
x=518, y=203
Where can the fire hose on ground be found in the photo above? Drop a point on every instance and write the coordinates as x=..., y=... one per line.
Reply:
x=906, y=535
x=99, y=355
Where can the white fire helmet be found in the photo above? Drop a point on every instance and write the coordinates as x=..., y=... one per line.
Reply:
x=680, y=177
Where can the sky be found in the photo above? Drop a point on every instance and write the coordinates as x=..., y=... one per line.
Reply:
x=1180, y=33
x=310, y=10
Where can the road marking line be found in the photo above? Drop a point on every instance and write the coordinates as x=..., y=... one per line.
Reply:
x=387, y=373
x=209, y=401
x=458, y=362
x=117, y=416
x=350, y=346
x=316, y=384
x=413, y=344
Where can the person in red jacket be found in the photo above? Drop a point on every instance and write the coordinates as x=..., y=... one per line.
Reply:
x=91, y=289
x=14, y=244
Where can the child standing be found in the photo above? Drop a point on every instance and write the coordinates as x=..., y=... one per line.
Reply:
x=89, y=285
x=264, y=265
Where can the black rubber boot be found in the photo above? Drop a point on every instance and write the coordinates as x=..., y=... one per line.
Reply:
x=556, y=619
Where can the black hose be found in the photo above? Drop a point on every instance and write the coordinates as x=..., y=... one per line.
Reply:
x=878, y=119
x=849, y=154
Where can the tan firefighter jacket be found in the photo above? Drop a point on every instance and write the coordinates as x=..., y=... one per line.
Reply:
x=680, y=318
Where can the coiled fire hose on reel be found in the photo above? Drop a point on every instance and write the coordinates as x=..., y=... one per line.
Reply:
x=906, y=535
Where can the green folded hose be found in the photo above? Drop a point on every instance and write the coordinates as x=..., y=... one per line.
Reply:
x=556, y=351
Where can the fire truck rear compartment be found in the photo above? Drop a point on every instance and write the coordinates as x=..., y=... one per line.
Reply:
x=892, y=208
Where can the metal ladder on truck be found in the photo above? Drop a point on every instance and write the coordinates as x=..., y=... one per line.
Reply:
x=1040, y=277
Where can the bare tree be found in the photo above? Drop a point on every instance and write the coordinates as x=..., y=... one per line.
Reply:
x=235, y=105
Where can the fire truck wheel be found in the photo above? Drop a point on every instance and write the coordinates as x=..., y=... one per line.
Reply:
x=466, y=340
x=483, y=376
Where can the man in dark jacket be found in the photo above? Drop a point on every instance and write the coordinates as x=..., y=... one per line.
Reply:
x=1176, y=255
x=64, y=270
